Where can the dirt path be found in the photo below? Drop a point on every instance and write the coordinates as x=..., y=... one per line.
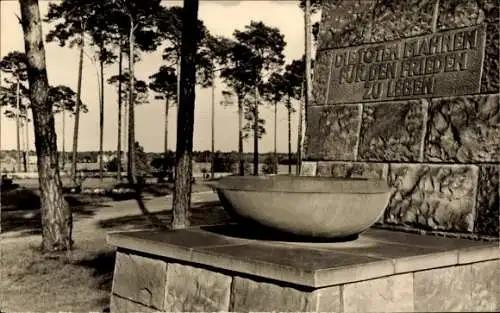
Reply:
x=81, y=282
x=89, y=226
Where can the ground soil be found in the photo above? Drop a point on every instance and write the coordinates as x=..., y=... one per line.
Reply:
x=80, y=281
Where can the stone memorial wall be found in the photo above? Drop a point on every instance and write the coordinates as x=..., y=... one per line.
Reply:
x=392, y=99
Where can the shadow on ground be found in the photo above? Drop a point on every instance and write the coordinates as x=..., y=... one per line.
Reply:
x=21, y=209
x=19, y=199
x=102, y=264
x=153, y=189
x=203, y=213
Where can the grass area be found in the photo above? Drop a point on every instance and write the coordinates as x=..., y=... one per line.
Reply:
x=80, y=281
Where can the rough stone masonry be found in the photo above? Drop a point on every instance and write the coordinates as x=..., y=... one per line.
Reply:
x=392, y=99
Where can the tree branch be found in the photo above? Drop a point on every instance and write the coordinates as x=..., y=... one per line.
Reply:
x=19, y=19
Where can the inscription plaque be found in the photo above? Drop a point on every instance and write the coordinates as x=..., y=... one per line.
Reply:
x=447, y=63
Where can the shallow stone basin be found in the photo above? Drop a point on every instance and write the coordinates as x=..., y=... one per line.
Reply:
x=304, y=205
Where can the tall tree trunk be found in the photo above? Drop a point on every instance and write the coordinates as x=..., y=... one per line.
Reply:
x=56, y=215
x=275, y=137
x=101, y=120
x=167, y=108
x=22, y=134
x=27, y=146
x=240, y=134
x=1, y=113
x=299, y=133
x=185, y=117
x=119, y=144
x=63, y=138
x=125, y=127
x=131, y=118
x=178, y=69
x=289, y=109
x=77, y=110
x=25, y=162
x=18, y=127
x=212, y=159
x=256, y=133
x=308, y=83
x=24, y=144
x=178, y=95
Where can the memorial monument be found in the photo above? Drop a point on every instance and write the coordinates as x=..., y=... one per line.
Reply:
x=394, y=100
x=405, y=92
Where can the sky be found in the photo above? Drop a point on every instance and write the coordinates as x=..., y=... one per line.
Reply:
x=221, y=18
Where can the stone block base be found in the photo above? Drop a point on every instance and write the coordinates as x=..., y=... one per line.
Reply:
x=401, y=273
x=466, y=288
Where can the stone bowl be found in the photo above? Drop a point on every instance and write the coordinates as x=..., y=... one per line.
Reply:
x=307, y=206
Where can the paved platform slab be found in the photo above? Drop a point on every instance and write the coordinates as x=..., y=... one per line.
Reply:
x=376, y=253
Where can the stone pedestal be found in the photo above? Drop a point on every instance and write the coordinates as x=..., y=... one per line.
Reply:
x=218, y=268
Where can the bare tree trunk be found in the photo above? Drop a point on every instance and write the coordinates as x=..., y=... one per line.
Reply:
x=185, y=117
x=240, y=135
x=167, y=108
x=22, y=131
x=18, y=127
x=119, y=145
x=25, y=162
x=125, y=127
x=179, y=60
x=275, y=137
x=212, y=159
x=308, y=83
x=178, y=95
x=56, y=215
x=1, y=113
x=131, y=118
x=63, y=138
x=77, y=110
x=256, y=133
x=289, y=109
x=27, y=146
x=299, y=133
x=101, y=120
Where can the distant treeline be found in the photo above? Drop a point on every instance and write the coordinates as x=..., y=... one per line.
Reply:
x=205, y=156
x=198, y=156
